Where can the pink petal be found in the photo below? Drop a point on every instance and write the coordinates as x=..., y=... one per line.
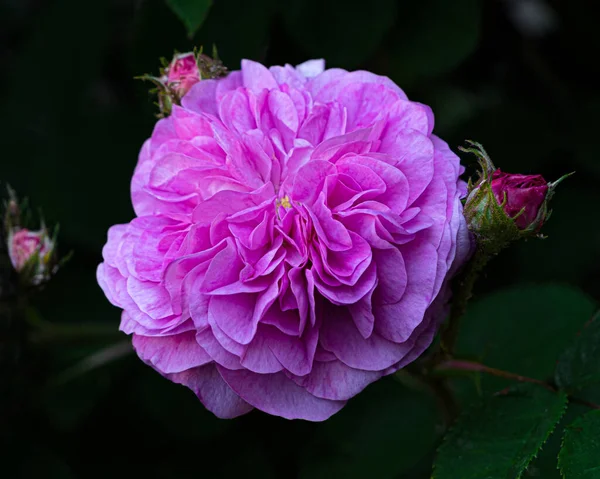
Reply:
x=212, y=391
x=397, y=321
x=276, y=394
x=171, y=354
x=256, y=77
x=336, y=381
x=340, y=336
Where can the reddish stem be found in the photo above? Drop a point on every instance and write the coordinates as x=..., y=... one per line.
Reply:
x=464, y=365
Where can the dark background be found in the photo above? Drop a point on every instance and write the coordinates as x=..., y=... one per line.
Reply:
x=519, y=76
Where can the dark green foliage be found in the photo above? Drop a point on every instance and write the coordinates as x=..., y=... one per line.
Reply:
x=579, y=457
x=578, y=370
x=500, y=437
x=191, y=12
x=522, y=329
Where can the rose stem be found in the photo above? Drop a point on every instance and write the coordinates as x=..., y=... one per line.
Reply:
x=463, y=365
x=462, y=295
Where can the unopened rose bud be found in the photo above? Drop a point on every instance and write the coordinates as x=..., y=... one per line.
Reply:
x=179, y=75
x=502, y=207
x=183, y=73
x=521, y=197
x=32, y=254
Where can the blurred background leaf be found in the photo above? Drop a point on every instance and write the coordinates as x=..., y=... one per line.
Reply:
x=578, y=369
x=523, y=329
x=346, y=34
x=414, y=54
x=191, y=12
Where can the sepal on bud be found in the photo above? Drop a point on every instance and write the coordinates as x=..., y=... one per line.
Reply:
x=501, y=208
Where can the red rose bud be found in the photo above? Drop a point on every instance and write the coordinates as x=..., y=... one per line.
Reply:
x=501, y=207
x=521, y=197
x=179, y=75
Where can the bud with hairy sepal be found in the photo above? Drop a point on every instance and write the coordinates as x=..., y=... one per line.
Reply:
x=502, y=207
x=179, y=75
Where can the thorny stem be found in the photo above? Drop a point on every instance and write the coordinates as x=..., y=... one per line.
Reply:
x=464, y=365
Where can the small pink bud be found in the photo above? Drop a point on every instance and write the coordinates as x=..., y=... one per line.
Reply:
x=521, y=197
x=179, y=75
x=183, y=73
x=31, y=252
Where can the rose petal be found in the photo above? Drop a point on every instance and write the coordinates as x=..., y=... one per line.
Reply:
x=212, y=391
x=171, y=354
x=276, y=394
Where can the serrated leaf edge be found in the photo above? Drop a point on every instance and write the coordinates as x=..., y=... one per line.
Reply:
x=550, y=431
x=533, y=455
x=575, y=423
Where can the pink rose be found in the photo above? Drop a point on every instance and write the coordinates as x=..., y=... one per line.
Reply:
x=295, y=231
x=521, y=192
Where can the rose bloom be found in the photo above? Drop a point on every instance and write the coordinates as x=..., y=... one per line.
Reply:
x=526, y=192
x=183, y=72
x=295, y=231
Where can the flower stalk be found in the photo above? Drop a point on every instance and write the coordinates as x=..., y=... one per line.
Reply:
x=500, y=208
x=462, y=294
x=460, y=365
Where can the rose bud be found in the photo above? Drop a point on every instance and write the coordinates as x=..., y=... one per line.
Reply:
x=521, y=197
x=32, y=254
x=183, y=73
x=179, y=75
x=502, y=207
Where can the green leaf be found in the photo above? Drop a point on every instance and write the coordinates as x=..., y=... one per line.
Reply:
x=580, y=454
x=522, y=329
x=383, y=432
x=578, y=369
x=191, y=12
x=545, y=464
x=433, y=37
x=345, y=35
x=499, y=437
